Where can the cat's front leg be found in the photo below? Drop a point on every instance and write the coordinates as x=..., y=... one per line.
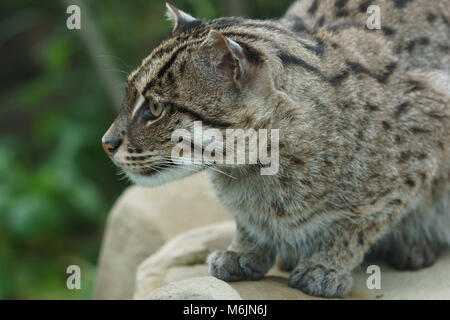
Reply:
x=327, y=272
x=245, y=259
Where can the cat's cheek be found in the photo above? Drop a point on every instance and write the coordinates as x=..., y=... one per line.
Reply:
x=160, y=178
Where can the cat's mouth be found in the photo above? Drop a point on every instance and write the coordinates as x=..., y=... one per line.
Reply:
x=159, y=174
x=149, y=172
x=152, y=171
x=146, y=169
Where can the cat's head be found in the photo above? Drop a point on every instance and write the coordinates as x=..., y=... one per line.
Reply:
x=198, y=74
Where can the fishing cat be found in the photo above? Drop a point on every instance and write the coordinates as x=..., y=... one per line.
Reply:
x=364, y=133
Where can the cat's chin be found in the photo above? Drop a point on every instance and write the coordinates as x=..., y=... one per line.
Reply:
x=159, y=178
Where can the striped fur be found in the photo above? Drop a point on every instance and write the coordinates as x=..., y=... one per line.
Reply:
x=364, y=120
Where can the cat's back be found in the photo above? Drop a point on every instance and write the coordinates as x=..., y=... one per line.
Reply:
x=409, y=59
x=418, y=31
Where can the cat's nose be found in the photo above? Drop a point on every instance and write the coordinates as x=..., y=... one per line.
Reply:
x=111, y=146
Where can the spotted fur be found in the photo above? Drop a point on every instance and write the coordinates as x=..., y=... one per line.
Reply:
x=364, y=120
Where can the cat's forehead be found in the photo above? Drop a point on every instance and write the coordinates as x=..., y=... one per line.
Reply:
x=154, y=68
x=169, y=60
x=166, y=52
x=147, y=71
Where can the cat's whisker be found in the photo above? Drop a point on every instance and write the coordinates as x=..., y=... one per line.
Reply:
x=191, y=161
x=222, y=172
x=117, y=70
x=191, y=167
x=118, y=59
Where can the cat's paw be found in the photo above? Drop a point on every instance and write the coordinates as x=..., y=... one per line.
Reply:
x=234, y=266
x=317, y=280
x=414, y=257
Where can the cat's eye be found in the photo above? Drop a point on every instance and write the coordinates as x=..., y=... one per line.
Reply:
x=153, y=110
x=157, y=109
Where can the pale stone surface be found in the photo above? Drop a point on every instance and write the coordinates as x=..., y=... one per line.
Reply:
x=202, y=288
x=187, y=249
x=129, y=238
x=428, y=283
x=183, y=258
x=140, y=223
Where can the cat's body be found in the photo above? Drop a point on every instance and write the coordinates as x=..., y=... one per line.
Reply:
x=364, y=120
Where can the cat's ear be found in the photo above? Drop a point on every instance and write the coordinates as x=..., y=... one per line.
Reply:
x=222, y=58
x=181, y=20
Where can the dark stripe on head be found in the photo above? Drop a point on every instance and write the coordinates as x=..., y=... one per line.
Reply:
x=223, y=23
x=198, y=117
x=199, y=29
x=251, y=53
x=317, y=49
x=359, y=68
x=167, y=65
x=246, y=36
x=288, y=59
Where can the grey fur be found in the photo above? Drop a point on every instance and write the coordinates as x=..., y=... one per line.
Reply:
x=364, y=120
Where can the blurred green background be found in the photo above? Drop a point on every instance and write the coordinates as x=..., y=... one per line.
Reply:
x=59, y=92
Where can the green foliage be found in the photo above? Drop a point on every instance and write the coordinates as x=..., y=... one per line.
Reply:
x=56, y=184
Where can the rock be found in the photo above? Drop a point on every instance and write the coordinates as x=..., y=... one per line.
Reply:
x=203, y=288
x=183, y=258
x=188, y=249
x=129, y=238
x=142, y=220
